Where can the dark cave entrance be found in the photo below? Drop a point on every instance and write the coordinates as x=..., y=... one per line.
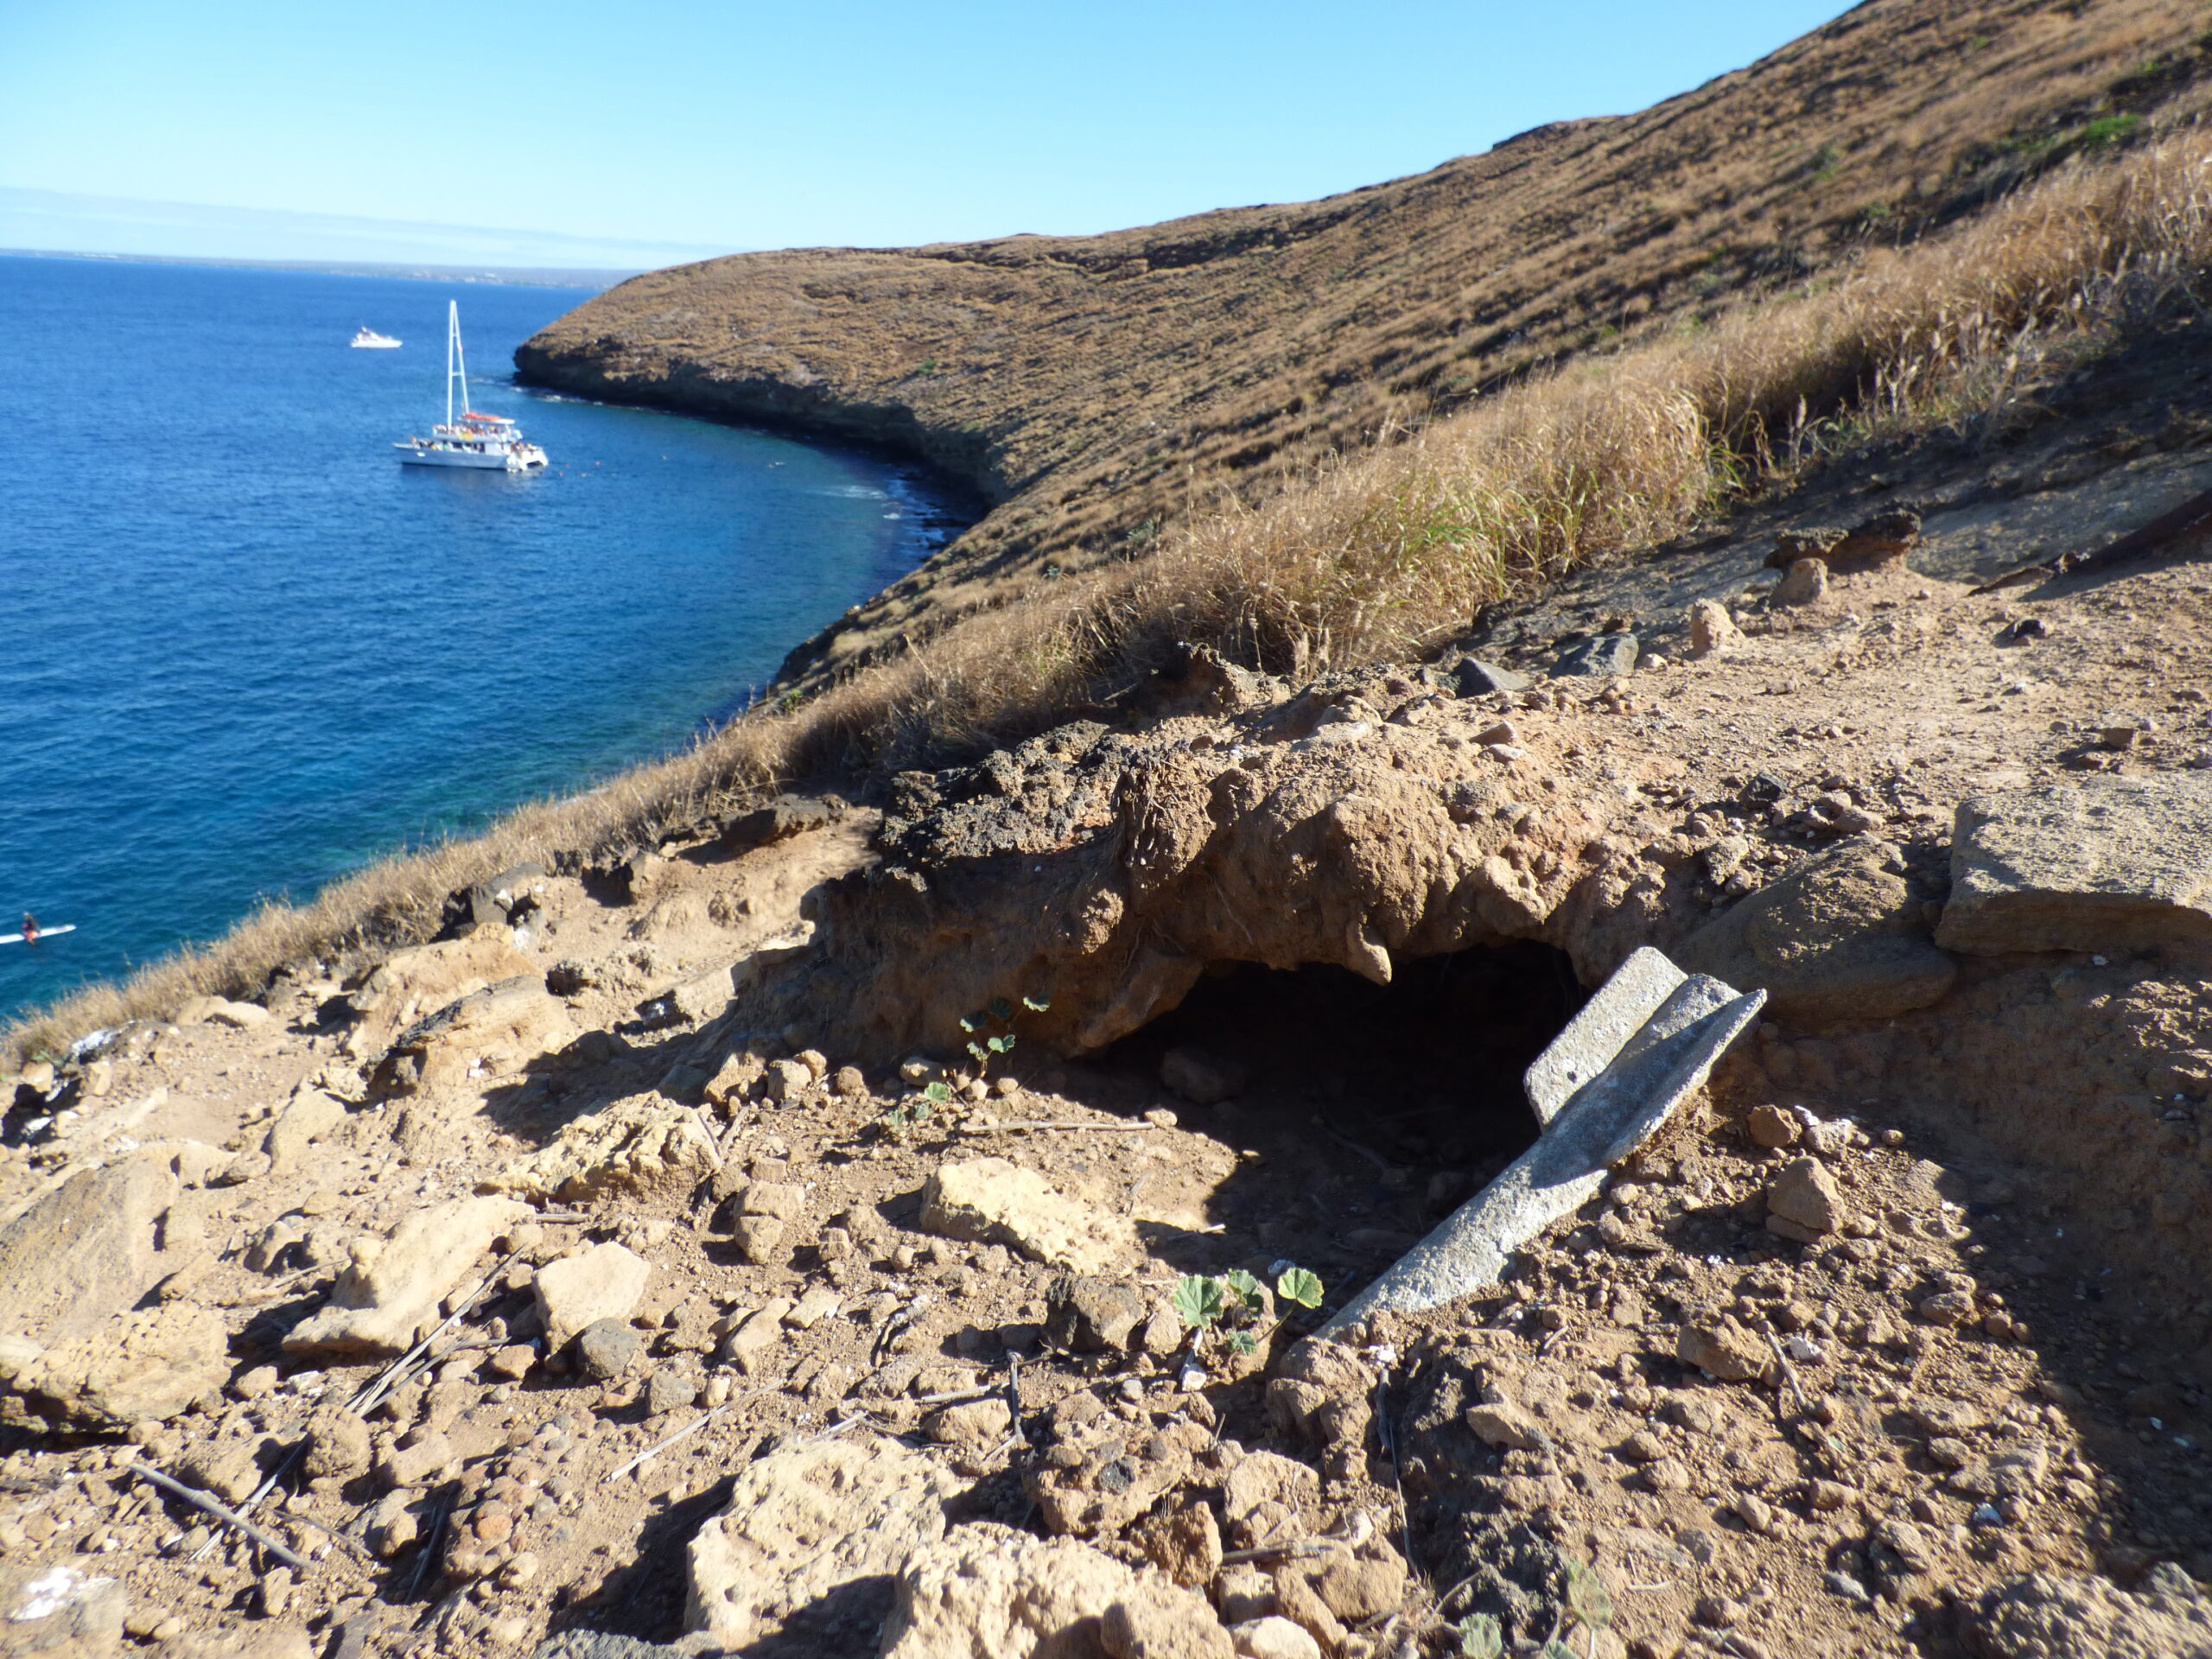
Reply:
x=1370, y=1111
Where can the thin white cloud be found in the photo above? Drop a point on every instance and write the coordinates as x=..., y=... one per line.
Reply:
x=58, y=222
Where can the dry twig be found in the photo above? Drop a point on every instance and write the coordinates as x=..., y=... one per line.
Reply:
x=230, y=1518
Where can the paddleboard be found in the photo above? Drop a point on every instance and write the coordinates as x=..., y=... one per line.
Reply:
x=44, y=934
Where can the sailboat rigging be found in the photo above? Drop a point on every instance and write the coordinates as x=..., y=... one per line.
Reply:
x=479, y=442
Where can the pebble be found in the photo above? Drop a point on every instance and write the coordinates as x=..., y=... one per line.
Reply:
x=1843, y=1585
x=670, y=1390
x=605, y=1348
x=254, y=1384
x=1718, y=1612
x=1948, y=1307
x=1772, y=1128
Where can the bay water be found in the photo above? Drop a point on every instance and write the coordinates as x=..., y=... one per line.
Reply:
x=244, y=651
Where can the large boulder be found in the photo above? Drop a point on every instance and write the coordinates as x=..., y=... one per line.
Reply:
x=494, y=1032
x=394, y=1285
x=312, y=1116
x=86, y=1251
x=150, y=1364
x=780, y=820
x=833, y=1519
x=410, y=983
x=2112, y=864
x=1840, y=938
x=987, y=1592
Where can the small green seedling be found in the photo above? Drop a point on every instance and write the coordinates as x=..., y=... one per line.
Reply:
x=1589, y=1604
x=1300, y=1285
x=1588, y=1598
x=911, y=1115
x=1480, y=1637
x=986, y=1043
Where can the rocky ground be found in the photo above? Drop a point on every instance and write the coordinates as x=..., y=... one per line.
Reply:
x=646, y=1262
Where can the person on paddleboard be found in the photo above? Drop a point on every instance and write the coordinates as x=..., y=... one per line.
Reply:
x=30, y=928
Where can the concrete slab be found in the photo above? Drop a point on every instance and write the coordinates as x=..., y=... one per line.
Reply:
x=1643, y=1073
x=1595, y=1035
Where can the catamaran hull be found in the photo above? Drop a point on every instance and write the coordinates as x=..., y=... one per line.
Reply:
x=466, y=460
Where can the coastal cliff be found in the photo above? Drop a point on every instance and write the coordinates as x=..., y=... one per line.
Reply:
x=1095, y=388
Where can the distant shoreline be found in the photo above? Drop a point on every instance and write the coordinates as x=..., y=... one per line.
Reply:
x=594, y=281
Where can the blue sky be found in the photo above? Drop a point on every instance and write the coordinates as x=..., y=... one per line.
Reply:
x=656, y=130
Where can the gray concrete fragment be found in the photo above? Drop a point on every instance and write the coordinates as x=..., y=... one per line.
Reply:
x=1595, y=1036
x=1660, y=1063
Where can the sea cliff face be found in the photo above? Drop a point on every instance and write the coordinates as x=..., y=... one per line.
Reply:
x=1092, y=388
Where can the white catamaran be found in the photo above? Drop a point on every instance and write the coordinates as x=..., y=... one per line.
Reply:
x=485, y=443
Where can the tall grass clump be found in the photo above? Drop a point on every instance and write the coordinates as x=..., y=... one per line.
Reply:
x=1384, y=552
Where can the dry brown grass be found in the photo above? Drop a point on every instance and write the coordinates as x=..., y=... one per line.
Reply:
x=1379, y=553
x=1100, y=387
x=1385, y=552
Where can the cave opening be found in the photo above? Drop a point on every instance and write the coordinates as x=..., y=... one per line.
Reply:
x=1364, y=1112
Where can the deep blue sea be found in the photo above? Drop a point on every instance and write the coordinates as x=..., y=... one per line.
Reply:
x=244, y=651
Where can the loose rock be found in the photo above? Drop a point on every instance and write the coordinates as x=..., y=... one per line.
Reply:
x=804, y=1522
x=992, y=1200
x=604, y=1282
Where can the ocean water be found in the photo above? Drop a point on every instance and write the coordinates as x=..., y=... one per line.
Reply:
x=244, y=651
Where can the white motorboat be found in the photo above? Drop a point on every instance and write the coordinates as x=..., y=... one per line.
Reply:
x=477, y=441
x=369, y=340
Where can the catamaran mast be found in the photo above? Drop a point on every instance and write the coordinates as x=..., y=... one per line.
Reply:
x=456, y=365
x=460, y=357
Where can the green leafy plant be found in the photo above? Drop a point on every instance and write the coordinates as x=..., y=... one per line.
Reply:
x=1587, y=1600
x=912, y=1114
x=1198, y=1301
x=1480, y=1637
x=1300, y=1285
x=1589, y=1604
x=929, y=366
x=2108, y=129
x=991, y=1031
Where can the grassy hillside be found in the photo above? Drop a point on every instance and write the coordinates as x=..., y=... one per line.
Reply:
x=1099, y=389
